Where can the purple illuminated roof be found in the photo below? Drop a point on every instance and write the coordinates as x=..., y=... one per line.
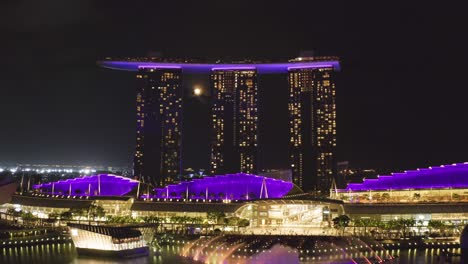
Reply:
x=445, y=176
x=95, y=185
x=208, y=67
x=238, y=186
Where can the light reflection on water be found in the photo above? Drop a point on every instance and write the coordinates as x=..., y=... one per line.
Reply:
x=65, y=253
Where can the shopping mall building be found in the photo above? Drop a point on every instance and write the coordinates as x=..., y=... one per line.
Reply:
x=436, y=193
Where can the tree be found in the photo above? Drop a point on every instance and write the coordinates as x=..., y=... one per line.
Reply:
x=76, y=212
x=125, y=219
x=13, y=212
x=94, y=211
x=67, y=215
x=407, y=223
x=215, y=217
x=243, y=222
x=435, y=224
x=385, y=196
x=28, y=217
x=364, y=197
x=232, y=221
x=151, y=219
x=364, y=223
x=376, y=197
x=341, y=222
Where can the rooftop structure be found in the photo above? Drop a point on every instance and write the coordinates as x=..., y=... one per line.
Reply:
x=238, y=186
x=190, y=66
x=446, y=183
x=445, y=176
x=95, y=185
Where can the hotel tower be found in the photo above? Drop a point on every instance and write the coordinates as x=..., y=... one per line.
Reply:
x=234, y=145
x=157, y=158
x=312, y=126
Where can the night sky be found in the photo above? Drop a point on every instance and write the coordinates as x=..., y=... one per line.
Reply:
x=401, y=94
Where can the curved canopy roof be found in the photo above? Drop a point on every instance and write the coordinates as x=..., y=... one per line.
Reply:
x=445, y=176
x=95, y=185
x=190, y=67
x=238, y=186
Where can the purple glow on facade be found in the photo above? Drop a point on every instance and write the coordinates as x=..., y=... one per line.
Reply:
x=159, y=67
x=443, y=177
x=309, y=67
x=95, y=185
x=262, y=68
x=238, y=186
x=233, y=68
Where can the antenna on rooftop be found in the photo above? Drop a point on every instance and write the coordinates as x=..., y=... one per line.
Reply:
x=333, y=189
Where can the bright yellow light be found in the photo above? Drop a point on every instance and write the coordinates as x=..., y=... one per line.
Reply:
x=197, y=91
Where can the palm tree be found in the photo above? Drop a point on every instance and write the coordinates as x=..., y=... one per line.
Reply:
x=341, y=222
x=94, y=211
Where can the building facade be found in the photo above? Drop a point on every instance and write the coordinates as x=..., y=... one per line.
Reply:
x=234, y=146
x=157, y=157
x=312, y=127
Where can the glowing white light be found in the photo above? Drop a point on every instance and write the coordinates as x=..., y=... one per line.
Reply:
x=197, y=91
x=74, y=232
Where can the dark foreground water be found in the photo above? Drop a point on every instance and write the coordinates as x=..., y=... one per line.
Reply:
x=65, y=253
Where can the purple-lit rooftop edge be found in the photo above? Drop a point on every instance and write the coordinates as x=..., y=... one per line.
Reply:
x=202, y=67
x=238, y=186
x=95, y=185
x=441, y=177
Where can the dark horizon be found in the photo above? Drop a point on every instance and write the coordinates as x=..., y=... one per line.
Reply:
x=400, y=93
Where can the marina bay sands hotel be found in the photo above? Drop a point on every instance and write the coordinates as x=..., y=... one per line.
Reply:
x=234, y=117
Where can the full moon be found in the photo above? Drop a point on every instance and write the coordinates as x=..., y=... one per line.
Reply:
x=197, y=91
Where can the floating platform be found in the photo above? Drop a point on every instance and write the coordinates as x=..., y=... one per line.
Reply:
x=125, y=253
x=122, y=241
